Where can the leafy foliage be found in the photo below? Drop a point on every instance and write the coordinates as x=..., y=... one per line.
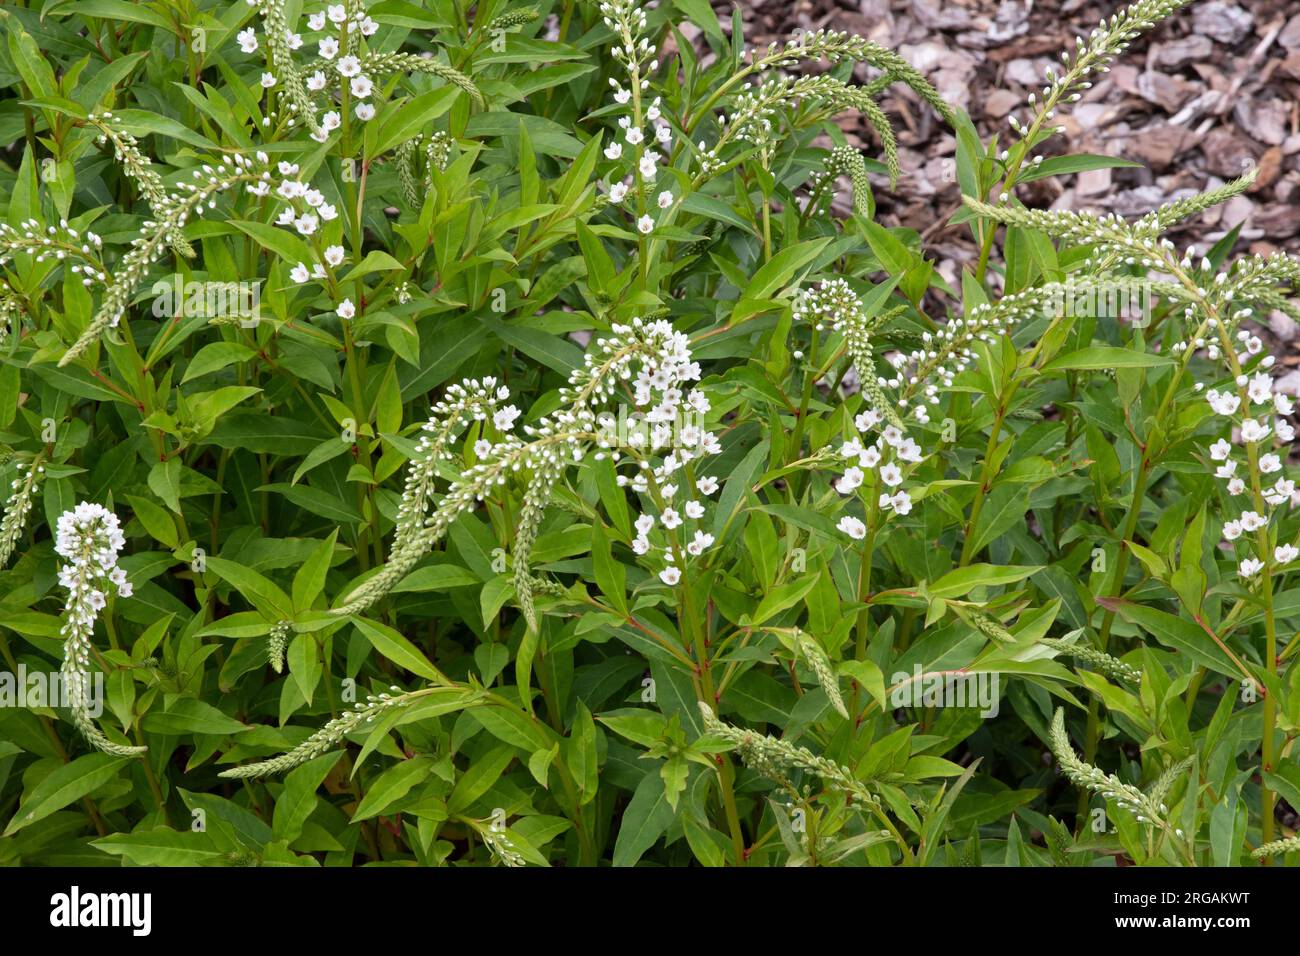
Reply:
x=457, y=434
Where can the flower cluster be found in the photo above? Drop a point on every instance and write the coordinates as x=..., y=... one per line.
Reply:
x=337, y=30
x=466, y=402
x=342, y=63
x=138, y=166
x=22, y=490
x=876, y=468
x=672, y=426
x=651, y=353
x=89, y=539
x=328, y=737
x=59, y=242
x=1250, y=459
x=173, y=212
x=773, y=758
x=1092, y=55
x=1146, y=808
x=643, y=131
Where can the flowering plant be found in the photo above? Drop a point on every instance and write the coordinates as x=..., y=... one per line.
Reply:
x=467, y=426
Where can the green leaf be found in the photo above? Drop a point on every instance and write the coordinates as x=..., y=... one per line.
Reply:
x=392, y=785
x=961, y=581
x=1106, y=356
x=189, y=715
x=646, y=819
x=298, y=798
x=1076, y=163
x=161, y=847
x=1175, y=632
x=397, y=649
x=63, y=786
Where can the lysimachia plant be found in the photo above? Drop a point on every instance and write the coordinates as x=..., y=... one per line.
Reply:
x=461, y=434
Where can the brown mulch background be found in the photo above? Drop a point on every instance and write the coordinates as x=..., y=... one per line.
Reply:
x=1213, y=90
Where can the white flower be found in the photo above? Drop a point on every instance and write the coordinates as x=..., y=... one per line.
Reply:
x=694, y=510
x=852, y=479
x=665, y=199
x=346, y=309
x=868, y=420
x=482, y=448
x=268, y=81
x=623, y=97
x=316, y=21
x=663, y=135
x=1236, y=486
x=670, y=576
x=670, y=519
x=1232, y=530
x=699, y=543
x=1250, y=567
x=504, y=418
x=892, y=436
x=1226, y=470
x=1282, y=404
x=337, y=12
x=1285, y=553
x=1224, y=403
x=617, y=192
x=365, y=112
x=634, y=136
x=644, y=523
x=300, y=273
x=1260, y=389
x=1250, y=521
x=870, y=457
x=647, y=165
x=1270, y=463
x=891, y=475
x=707, y=485
x=331, y=120
x=902, y=502
x=328, y=48
x=361, y=86
x=1253, y=431
x=306, y=224
x=851, y=448
x=334, y=255
x=1220, y=450
x=247, y=40
x=645, y=225
x=613, y=150
x=327, y=212
x=118, y=577
x=640, y=544
x=909, y=450
x=1285, y=431
x=369, y=27
x=853, y=527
